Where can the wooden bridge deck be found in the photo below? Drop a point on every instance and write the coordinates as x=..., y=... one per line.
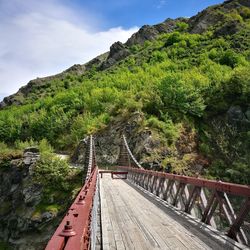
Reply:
x=131, y=221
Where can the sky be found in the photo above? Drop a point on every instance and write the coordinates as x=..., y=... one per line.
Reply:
x=41, y=38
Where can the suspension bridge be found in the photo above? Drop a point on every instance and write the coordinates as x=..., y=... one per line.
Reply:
x=134, y=208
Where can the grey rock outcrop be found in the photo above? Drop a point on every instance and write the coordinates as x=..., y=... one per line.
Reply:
x=118, y=51
x=149, y=33
x=79, y=156
x=145, y=144
x=201, y=22
x=235, y=113
x=142, y=143
x=215, y=14
x=229, y=28
x=237, y=118
x=247, y=113
x=19, y=195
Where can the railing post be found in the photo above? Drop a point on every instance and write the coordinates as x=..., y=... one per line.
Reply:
x=235, y=227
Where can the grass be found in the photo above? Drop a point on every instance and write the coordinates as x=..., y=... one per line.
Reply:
x=42, y=208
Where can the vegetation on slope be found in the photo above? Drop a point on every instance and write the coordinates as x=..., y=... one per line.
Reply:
x=178, y=80
x=58, y=180
x=36, y=190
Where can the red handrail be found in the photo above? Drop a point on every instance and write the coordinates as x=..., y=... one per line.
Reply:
x=73, y=233
x=227, y=187
x=186, y=192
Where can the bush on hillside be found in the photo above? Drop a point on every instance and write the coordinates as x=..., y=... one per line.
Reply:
x=53, y=172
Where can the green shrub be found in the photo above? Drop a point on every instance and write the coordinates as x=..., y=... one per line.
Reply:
x=134, y=48
x=181, y=26
x=52, y=172
x=230, y=58
x=157, y=57
x=182, y=96
x=173, y=38
x=43, y=145
x=237, y=88
x=21, y=145
x=239, y=172
x=205, y=149
x=167, y=127
x=245, y=12
x=3, y=147
x=213, y=54
x=7, y=154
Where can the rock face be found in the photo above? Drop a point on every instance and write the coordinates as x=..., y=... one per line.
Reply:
x=201, y=22
x=80, y=154
x=145, y=144
x=118, y=51
x=108, y=141
x=215, y=14
x=238, y=118
x=149, y=33
x=228, y=29
x=19, y=195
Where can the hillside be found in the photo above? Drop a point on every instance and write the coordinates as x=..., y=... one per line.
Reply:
x=216, y=17
x=184, y=82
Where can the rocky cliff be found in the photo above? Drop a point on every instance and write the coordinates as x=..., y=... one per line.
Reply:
x=19, y=195
x=147, y=145
x=27, y=219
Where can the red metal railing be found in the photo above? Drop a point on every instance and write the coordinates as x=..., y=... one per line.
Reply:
x=74, y=230
x=222, y=205
x=77, y=229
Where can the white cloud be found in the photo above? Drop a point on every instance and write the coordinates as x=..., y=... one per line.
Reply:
x=40, y=38
x=161, y=4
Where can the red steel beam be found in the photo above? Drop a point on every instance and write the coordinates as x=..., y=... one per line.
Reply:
x=230, y=188
x=78, y=217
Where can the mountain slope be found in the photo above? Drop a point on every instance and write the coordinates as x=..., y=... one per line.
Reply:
x=186, y=81
x=222, y=18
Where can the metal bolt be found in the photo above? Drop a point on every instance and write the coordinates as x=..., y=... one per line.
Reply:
x=81, y=200
x=218, y=179
x=68, y=230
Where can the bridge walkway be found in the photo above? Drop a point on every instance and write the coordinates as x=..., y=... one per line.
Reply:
x=131, y=221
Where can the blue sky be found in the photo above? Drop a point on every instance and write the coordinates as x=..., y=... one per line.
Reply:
x=127, y=13
x=46, y=37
